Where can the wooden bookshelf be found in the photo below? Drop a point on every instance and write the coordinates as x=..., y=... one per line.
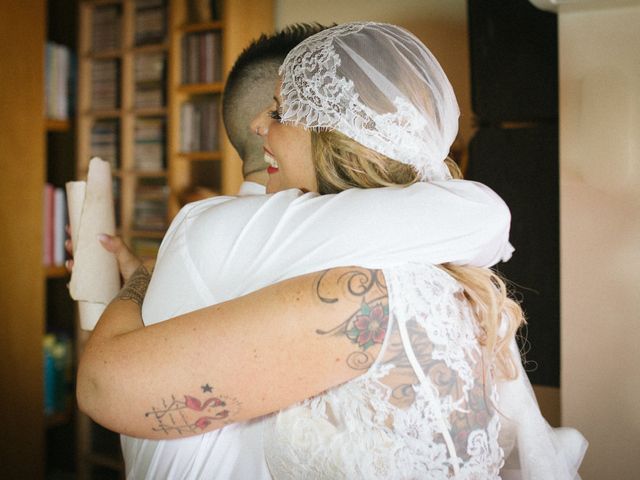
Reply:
x=35, y=152
x=218, y=169
x=127, y=114
x=223, y=174
x=53, y=125
x=22, y=296
x=59, y=320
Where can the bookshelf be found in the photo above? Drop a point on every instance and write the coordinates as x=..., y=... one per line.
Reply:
x=152, y=74
x=159, y=127
x=204, y=163
x=59, y=318
x=36, y=138
x=22, y=296
x=122, y=115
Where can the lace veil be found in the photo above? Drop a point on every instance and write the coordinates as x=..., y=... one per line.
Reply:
x=377, y=84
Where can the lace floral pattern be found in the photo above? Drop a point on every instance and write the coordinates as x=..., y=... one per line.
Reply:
x=393, y=421
x=328, y=82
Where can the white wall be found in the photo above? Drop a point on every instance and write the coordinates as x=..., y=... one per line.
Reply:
x=441, y=25
x=600, y=235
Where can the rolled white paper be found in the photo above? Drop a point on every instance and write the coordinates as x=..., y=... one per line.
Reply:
x=95, y=279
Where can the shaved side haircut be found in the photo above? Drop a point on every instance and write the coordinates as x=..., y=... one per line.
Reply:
x=250, y=87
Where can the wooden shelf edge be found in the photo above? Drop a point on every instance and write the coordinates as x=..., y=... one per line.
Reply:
x=104, y=114
x=105, y=54
x=196, y=156
x=55, y=271
x=194, y=88
x=102, y=3
x=150, y=112
x=157, y=234
x=150, y=48
x=201, y=26
x=54, y=125
x=145, y=173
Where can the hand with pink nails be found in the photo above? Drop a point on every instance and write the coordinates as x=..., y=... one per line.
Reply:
x=127, y=260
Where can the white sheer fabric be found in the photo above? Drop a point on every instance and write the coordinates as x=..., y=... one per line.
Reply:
x=427, y=408
x=377, y=84
x=535, y=451
x=423, y=410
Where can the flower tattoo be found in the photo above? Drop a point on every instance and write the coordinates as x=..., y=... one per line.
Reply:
x=370, y=325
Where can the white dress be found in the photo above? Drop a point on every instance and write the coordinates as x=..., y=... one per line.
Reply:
x=424, y=410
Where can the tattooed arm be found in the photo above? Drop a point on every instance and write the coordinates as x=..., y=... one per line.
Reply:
x=233, y=361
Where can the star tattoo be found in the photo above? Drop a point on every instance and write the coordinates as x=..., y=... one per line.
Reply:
x=206, y=388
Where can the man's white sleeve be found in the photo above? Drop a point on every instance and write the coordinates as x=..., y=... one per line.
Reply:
x=232, y=246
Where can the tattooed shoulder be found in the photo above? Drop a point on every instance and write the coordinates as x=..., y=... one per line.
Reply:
x=365, y=326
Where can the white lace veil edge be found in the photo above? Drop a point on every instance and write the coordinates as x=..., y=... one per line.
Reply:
x=533, y=449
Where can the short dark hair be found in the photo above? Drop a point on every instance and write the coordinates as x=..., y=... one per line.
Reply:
x=250, y=84
x=270, y=47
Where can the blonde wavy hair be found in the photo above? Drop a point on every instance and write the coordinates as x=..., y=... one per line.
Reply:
x=343, y=163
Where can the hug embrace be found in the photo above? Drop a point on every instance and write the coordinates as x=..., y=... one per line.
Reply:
x=344, y=323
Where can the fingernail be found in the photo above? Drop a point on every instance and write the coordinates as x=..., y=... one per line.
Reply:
x=67, y=264
x=103, y=237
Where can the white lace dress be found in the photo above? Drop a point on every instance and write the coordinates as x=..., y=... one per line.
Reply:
x=424, y=409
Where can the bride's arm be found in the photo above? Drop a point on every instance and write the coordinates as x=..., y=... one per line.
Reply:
x=233, y=361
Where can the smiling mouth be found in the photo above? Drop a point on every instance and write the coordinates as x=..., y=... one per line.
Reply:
x=273, y=165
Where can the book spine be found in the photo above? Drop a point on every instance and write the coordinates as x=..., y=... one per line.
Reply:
x=59, y=221
x=48, y=224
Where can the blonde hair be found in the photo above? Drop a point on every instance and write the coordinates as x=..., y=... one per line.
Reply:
x=343, y=163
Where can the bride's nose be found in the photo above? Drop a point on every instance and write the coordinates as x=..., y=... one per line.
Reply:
x=260, y=124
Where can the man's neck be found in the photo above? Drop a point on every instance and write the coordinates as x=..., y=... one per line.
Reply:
x=260, y=177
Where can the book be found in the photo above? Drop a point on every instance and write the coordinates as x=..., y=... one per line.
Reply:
x=200, y=124
x=150, y=80
x=202, y=57
x=150, y=207
x=105, y=141
x=106, y=28
x=199, y=11
x=54, y=221
x=149, y=146
x=58, y=60
x=59, y=222
x=150, y=22
x=47, y=227
x=105, y=92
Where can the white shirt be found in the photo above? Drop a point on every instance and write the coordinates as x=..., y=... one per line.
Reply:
x=223, y=247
